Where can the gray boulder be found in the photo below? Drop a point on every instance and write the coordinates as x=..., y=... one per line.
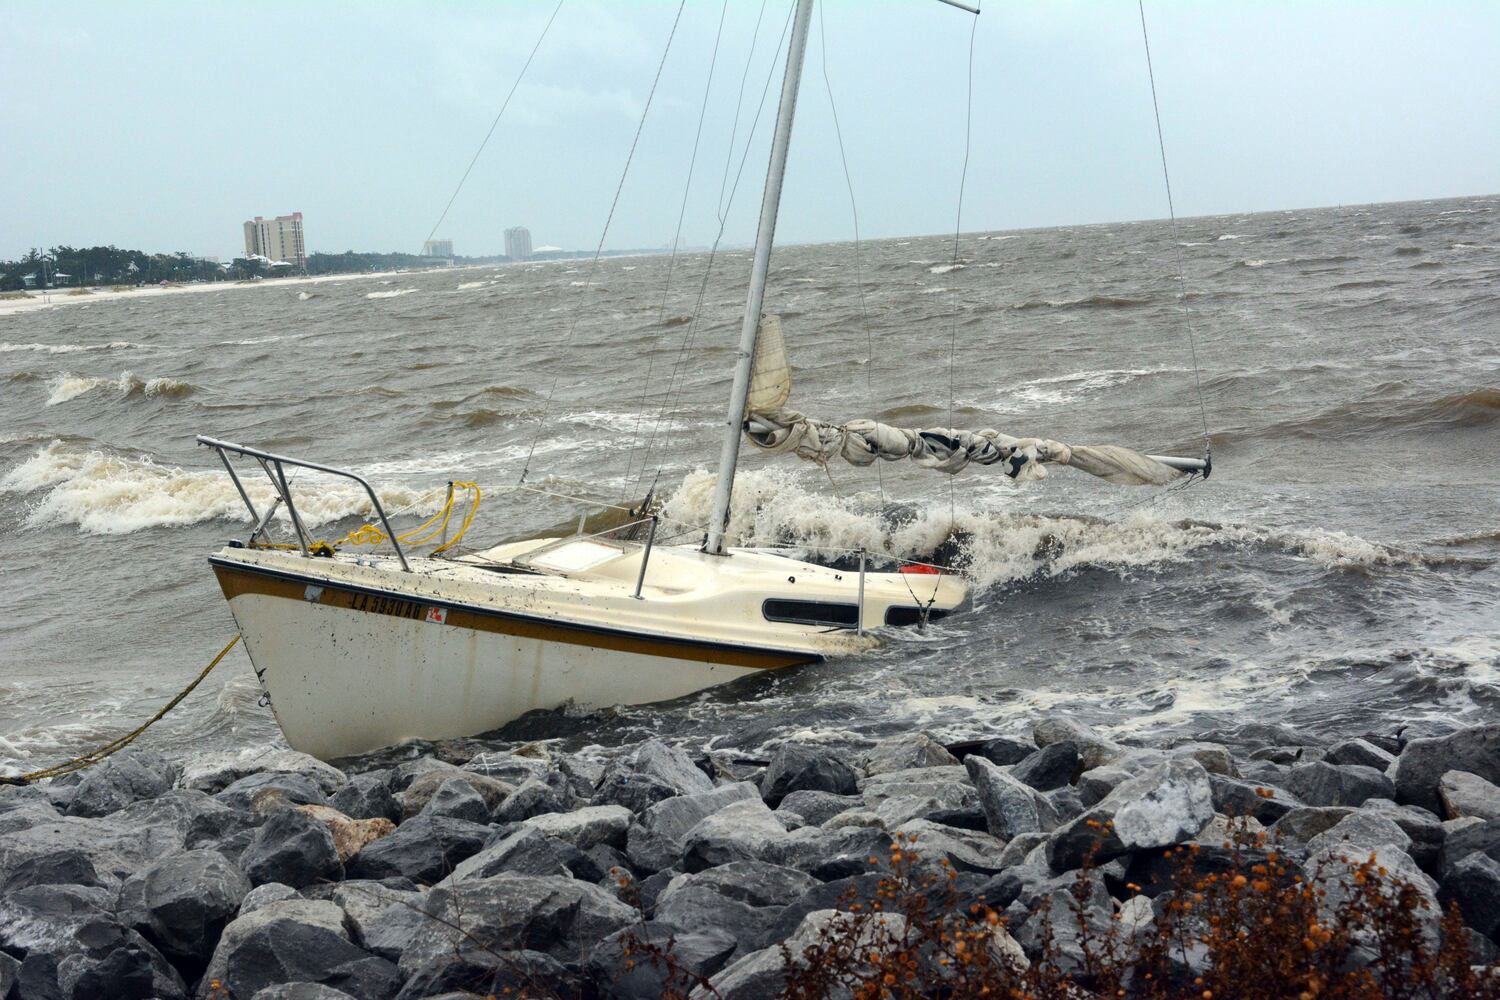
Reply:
x=816, y=808
x=1001, y=750
x=424, y=849
x=948, y=786
x=511, y=768
x=525, y=851
x=964, y=850
x=473, y=973
x=1056, y=903
x=651, y=773
x=1359, y=833
x=586, y=827
x=265, y=895
x=301, y=991
x=367, y=796
x=420, y=792
x=385, y=932
x=533, y=797
x=1424, y=829
x=742, y=831
x=1469, y=836
x=1214, y=757
x=561, y=917
x=1299, y=826
x=75, y=948
x=907, y=750
x=1053, y=766
x=1424, y=761
x=129, y=776
x=291, y=848
x=1010, y=806
x=624, y=970
x=673, y=818
x=741, y=899
x=830, y=854
x=1465, y=794
x=1362, y=752
x=457, y=798
x=805, y=767
x=365, y=902
x=216, y=770
x=278, y=786
x=1167, y=804
x=290, y=941
x=1093, y=750
x=762, y=975
x=66, y=866
x=31, y=835
x=182, y=903
x=1324, y=784
x=1235, y=797
x=1473, y=882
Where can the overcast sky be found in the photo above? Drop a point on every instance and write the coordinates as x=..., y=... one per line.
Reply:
x=165, y=126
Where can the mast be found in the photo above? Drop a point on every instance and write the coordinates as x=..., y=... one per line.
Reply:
x=764, y=236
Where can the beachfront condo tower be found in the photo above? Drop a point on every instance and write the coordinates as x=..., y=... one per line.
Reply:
x=277, y=239
x=518, y=243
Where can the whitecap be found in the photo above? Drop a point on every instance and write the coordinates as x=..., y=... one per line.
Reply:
x=104, y=492
x=115, y=345
x=390, y=294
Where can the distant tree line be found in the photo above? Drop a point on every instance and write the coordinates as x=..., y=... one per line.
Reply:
x=77, y=267
x=351, y=261
x=73, y=267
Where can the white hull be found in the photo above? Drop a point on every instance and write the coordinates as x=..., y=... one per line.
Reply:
x=357, y=653
x=343, y=681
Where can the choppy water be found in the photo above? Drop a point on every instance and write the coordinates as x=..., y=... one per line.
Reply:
x=1341, y=570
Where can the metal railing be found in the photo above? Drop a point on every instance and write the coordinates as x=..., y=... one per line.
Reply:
x=273, y=466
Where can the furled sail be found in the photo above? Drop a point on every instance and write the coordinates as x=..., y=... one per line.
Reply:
x=774, y=428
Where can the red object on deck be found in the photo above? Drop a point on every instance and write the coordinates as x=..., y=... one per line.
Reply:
x=921, y=568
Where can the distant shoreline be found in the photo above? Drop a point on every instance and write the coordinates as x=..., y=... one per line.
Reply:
x=36, y=300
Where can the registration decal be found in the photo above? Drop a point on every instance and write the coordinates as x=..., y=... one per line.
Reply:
x=438, y=616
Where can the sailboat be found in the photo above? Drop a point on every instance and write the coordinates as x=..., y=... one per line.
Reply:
x=357, y=651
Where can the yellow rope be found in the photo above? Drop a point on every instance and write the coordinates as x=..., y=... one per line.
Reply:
x=427, y=531
x=95, y=756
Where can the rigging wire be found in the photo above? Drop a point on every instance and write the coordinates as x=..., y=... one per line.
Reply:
x=498, y=115
x=674, y=389
x=1187, y=321
x=739, y=101
x=859, y=280
x=958, y=225
x=661, y=314
x=603, y=235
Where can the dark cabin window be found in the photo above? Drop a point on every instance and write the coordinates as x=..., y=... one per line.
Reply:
x=903, y=615
x=811, y=613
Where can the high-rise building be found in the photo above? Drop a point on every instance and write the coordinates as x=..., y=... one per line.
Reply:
x=518, y=243
x=437, y=248
x=277, y=239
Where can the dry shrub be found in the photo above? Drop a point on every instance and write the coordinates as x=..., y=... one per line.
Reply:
x=1254, y=928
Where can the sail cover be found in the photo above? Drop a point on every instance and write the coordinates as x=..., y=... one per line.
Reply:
x=773, y=427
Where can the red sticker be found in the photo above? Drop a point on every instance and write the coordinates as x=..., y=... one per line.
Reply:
x=438, y=616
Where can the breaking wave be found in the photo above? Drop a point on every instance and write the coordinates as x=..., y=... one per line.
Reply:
x=771, y=509
x=389, y=294
x=1066, y=388
x=114, y=345
x=107, y=493
x=1086, y=302
x=68, y=387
